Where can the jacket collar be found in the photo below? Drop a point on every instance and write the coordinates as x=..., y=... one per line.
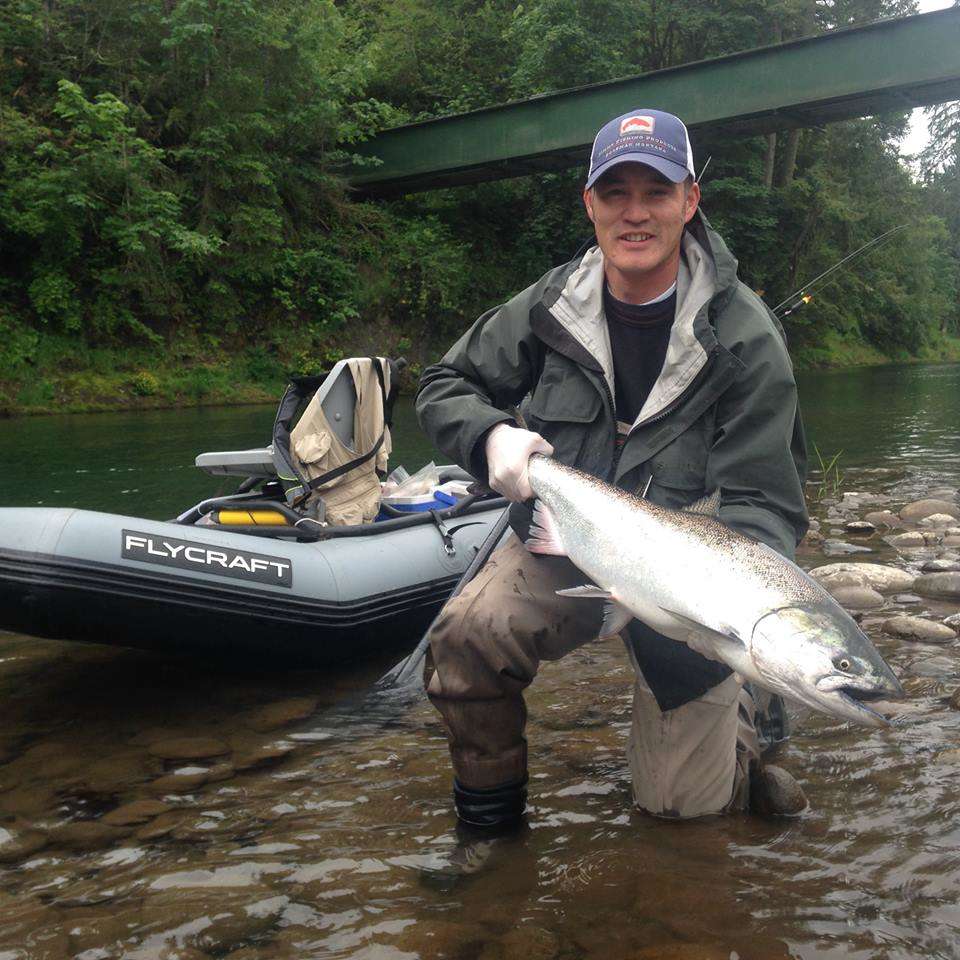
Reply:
x=708, y=275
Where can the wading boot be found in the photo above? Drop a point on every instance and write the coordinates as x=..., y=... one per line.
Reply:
x=491, y=810
x=774, y=792
x=485, y=819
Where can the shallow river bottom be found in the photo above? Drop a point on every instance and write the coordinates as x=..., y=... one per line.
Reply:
x=156, y=808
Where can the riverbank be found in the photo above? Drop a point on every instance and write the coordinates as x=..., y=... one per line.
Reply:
x=66, y=377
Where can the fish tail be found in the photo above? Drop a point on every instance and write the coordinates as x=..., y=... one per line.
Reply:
x=544, y=536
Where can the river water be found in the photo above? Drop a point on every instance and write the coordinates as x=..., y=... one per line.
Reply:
x=307, y=821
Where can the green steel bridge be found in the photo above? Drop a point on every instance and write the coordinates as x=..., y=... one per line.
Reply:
x=891, y=64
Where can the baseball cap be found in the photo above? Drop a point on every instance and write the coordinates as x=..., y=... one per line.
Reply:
x=653, y=137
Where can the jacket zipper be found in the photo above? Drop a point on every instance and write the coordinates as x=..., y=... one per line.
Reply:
x=687, y=393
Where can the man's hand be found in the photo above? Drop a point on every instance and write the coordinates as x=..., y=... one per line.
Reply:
x=508, y=452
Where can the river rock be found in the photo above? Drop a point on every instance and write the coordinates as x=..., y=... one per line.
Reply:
x=262, y=756
x=859, y=528
x=951, y=540
x=186, y=779
x=283, y=713
x=188, y=748
x=813, y=537
x=907, y=598
x=943, y=493
x=938, y=521
x=941, y=586
x=136, y=812
x=916, y=628
x=856, y=598
x=916, y=511
x=528, y=942
x=876, y=575
x=854, y=500
x=907, y=541
x=839, y=548
x=814, y=524
x=940, y=566
x=86, y=835
x=16, y=845
x=882, y=518
x=164, y=824
x=953, y=621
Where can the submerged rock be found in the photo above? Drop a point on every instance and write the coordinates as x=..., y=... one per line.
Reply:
x=854, y=500
x=136, y=812
x=855, y=597
x=940, y=566
x=916, y=511
x=528, y=942
x=283, y=713
x=876, y=575
x=944, y=586
x=86, y=835
x=938, y=520
x=188, y=748
x=916, y=628
x=263, y=755
x=882, y=518
x=906, y=541
x=840, y=548
x=17, y=845
x=907, y=598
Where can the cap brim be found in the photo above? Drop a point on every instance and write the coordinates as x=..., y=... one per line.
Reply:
x=672, y=171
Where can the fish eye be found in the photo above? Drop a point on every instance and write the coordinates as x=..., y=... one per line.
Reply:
x=842, y=663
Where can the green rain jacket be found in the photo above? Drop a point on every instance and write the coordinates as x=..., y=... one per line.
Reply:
x=722, y=415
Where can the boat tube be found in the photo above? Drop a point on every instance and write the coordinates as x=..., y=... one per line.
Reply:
x=253, y=574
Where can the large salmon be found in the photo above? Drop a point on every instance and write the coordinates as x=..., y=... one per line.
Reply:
x=696, y=580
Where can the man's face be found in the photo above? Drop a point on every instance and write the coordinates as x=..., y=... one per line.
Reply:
x=639, y=217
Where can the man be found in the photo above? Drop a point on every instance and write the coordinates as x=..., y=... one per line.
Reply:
x=649, y=364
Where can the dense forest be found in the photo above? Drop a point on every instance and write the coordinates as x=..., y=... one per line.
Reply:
x=175, y=224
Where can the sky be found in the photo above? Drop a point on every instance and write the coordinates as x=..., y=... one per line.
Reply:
x=916, y=139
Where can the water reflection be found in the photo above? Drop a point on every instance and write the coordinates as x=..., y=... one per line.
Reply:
x=161, y=808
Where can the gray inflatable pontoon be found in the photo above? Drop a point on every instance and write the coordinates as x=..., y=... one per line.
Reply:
x=299, y=592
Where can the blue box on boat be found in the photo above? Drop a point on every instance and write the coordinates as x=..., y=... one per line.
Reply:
x=438, y=500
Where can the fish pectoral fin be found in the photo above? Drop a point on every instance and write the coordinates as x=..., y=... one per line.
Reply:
x=544, y=535
x=725, y=639
x=615, y=615
x=588, y=591
x=615, y=619
x=708, y=506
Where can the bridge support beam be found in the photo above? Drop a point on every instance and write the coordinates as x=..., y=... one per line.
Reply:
x=905, y=62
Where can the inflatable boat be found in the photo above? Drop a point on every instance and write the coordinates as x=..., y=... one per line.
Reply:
x=260, y=572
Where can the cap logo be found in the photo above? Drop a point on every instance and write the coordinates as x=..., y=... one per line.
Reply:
x=636, y=125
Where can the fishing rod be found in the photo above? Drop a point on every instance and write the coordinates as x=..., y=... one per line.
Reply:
x=803, y=293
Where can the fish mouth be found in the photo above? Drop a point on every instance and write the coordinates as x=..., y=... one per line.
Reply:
x=850, y=701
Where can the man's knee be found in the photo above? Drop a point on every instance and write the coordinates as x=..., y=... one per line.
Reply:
x=687, y=762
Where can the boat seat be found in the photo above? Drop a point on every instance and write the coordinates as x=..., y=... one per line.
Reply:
x=337, y=397
x=257, y=462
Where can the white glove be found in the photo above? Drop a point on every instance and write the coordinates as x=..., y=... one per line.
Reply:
x=508, y=453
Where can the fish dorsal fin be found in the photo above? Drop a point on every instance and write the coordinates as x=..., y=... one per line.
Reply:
x=615, y=615
x=707, y=506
